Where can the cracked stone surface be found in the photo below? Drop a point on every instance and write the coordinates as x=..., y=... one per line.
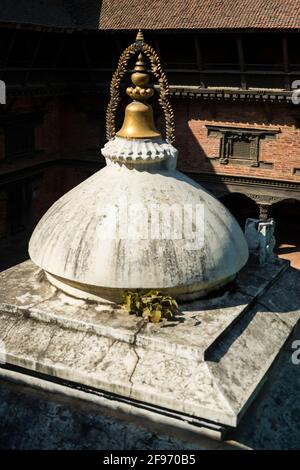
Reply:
x=209, y=363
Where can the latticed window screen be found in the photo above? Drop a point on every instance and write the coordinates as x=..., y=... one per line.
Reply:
x=241, y=149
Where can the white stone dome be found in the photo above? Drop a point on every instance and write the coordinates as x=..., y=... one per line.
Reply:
x=138, y=223
x=89, y=249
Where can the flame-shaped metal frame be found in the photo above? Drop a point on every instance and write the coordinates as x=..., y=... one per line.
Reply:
x=139, y=46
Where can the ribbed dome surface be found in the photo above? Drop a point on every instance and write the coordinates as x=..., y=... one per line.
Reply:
x=79, y=241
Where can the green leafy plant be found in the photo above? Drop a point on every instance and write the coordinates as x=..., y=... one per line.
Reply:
x=152, y=305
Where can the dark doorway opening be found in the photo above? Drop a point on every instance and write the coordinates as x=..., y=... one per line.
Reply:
x=242, y=207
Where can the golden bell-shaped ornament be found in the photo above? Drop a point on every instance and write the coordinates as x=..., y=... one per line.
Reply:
x=138, y=122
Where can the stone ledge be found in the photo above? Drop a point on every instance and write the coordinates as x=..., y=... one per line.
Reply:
x=208, y=364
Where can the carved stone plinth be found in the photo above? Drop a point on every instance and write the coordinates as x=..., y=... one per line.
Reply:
x=205, y=367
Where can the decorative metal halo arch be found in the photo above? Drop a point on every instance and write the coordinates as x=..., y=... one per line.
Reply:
x=139, y=46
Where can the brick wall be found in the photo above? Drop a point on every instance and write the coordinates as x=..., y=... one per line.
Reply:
x=70, y=128
x=196, y=149
x=81, y=124
x=55, y=182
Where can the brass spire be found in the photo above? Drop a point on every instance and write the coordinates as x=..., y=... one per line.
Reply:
x=139, y=36
x=138, y=122
x=140, y=79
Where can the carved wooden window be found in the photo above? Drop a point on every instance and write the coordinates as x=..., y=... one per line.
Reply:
x=240, y=145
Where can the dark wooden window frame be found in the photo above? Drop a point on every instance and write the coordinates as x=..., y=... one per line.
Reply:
x=229, y=135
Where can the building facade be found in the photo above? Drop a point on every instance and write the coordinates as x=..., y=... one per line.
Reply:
x=232, y=73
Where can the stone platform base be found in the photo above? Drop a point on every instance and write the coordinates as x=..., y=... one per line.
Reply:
x=203, y=369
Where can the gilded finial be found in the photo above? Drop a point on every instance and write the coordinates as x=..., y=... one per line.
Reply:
x=138, y=122
x=140, y=79
x=139, y=36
